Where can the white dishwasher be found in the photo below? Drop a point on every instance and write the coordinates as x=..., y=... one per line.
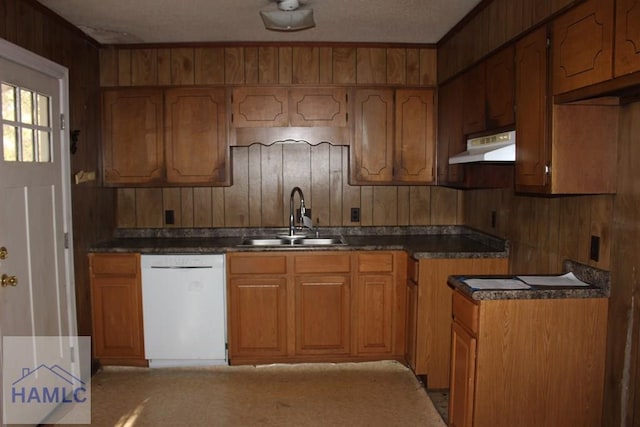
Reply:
x=184, y=310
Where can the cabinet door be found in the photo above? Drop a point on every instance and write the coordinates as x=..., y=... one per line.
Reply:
x=322, y=314
x=318, y=107
x=500, y=89
x=196, y=136
x=372, y=157
x=132, y=124
x=260, y=107
x=582, y=46
x=531, y=115
x=415, y=136
x=473, y=105
x=375, y=310
x=451, y=140
x=463, y=367
x=117, y=318
x=257, y=316
x=627, y=53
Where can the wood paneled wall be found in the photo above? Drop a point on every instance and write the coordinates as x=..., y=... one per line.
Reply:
x=544, y=231
x=268, y=64
x=493, y=25
x=263, y=177
x=31, y=26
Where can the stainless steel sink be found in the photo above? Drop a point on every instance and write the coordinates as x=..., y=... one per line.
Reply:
x=298, y=241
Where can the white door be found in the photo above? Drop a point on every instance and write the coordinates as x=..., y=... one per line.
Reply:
x=36, y=296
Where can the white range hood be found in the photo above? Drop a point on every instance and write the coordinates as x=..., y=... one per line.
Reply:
x=499, y=147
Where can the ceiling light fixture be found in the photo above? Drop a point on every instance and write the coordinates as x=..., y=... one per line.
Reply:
x=288, y=17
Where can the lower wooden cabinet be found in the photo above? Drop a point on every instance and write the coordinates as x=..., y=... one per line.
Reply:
x=315, y=306
x=527, y=362
x=322, y=314
x=429, y=323
x=380, y=279
x=116, y=302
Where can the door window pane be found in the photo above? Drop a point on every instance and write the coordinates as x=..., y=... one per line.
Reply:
x=10, y=143
x=44, y=142
x=43, y=110
x=26, y=125
x=8, y=102
x=27, y=143
x=26, y=106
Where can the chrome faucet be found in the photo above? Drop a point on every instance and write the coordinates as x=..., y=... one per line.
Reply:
x=305, y=220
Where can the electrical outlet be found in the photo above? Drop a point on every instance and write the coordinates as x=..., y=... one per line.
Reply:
x=594, y=253
x=355, y=214
x=169, y=217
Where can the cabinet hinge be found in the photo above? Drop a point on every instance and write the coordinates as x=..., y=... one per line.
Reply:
x=62, y=122
x=231, y=117
x=547, y=169
x=66, y=240
x=548, y=42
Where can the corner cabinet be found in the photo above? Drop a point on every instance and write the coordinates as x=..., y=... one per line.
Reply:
x=394, y=136
x=116, y=305
x=560, y=148
x=429, y=321
x=150, y=135
x=512, y=364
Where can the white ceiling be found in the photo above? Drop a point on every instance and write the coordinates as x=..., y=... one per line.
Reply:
x=175, y=21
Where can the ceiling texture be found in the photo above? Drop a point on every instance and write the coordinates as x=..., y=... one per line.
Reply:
x=195, y=21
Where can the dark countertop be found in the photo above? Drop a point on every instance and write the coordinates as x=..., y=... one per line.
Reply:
x=598, y=280
x=419, y=242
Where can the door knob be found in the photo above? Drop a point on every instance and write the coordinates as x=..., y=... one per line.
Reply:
x=8, y=281
x=3, y=252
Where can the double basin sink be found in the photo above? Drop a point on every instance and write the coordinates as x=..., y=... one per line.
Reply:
x=296, y=240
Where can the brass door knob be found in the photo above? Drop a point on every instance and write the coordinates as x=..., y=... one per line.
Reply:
x=3, y=252
x=8, y=281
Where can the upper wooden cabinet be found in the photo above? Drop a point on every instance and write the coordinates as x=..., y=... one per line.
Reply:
x=473, y=100
x=488, y=93
x=627, y=37
x=500, y=89
x=560, y=149
x=196, y=136
x=279, y=106
x=132, y=125
x=394, y=137
x=372, y=147
x=414, y=155
x=582, y=45
x=451, y=139
x=165, y=137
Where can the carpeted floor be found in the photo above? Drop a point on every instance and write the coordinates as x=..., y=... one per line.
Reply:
x=349, y=394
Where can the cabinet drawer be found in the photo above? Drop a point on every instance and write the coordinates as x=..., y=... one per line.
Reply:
x=375, y=262
x=465, y=311
x=114, y=264
x=270, y=264
x=412, y=270
x=322, y=263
